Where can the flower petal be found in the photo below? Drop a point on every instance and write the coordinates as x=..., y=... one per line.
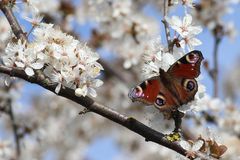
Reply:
x=7, y=80
x=187, y=20
x=29, y=71
x=97, y=82
x=36, y=65
x=197, y=145
x=195, y=42
x=92, y=92
x=20, y=64
x=195, y=29
x=57, y=89
x=81, y=91
x=127, y=64
x=185, y=145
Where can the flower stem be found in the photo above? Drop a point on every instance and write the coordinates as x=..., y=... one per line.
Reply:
x=166, y=26
x=15, y=128
x=215, y=61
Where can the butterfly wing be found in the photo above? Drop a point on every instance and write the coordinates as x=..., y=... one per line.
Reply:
x=173, y=88
x=188, y=66
x=185, y=89
x=153, y=92
x=183, y=74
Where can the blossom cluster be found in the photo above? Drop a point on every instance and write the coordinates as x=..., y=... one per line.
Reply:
x=158, y=55
x=67, y=62
x=207, y=148
x=125, y=25
x=186, y=30
x=63, y=59
x=5, y=31
x=41, y=7
x=6, y=150
x=33, y=10
x=210, y=13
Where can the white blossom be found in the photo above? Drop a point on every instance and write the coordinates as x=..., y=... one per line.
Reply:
x=125, y=29
x=186, y=30
x=231, y=31
x=34, y=20
x=184, y=27
x=121, y=8
x=187, y=3
x=190, y=41
x=6, y=150
x=23, y=56
x=191, y=146
x=39, y=6
x=68, y=62
x=213, y=12
x=5, y=30
x=156, y=57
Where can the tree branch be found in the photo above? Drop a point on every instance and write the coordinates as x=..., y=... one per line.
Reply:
x=15, y=130
x=7, y=11
x=148, y=133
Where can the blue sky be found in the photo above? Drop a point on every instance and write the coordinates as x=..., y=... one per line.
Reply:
x=229, y=50
x=104, y=148
x=229, y=53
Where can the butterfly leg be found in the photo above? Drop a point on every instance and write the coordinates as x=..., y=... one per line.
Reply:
x=176, y=134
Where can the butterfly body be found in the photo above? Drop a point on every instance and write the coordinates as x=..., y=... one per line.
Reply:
x=172, y=88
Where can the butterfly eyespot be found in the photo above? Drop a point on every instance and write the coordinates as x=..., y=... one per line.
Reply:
x=189, y=84
x=135, y=93
x=138, y=89
x=160, y=100
x=192, y=58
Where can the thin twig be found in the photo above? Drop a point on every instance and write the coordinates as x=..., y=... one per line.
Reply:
x=7, y=11
x=8, y=110
x=15, y=130
x=218, y=33
x=166, y=26
x=215, y=69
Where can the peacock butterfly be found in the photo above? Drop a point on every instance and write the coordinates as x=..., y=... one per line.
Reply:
x=173, y=88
